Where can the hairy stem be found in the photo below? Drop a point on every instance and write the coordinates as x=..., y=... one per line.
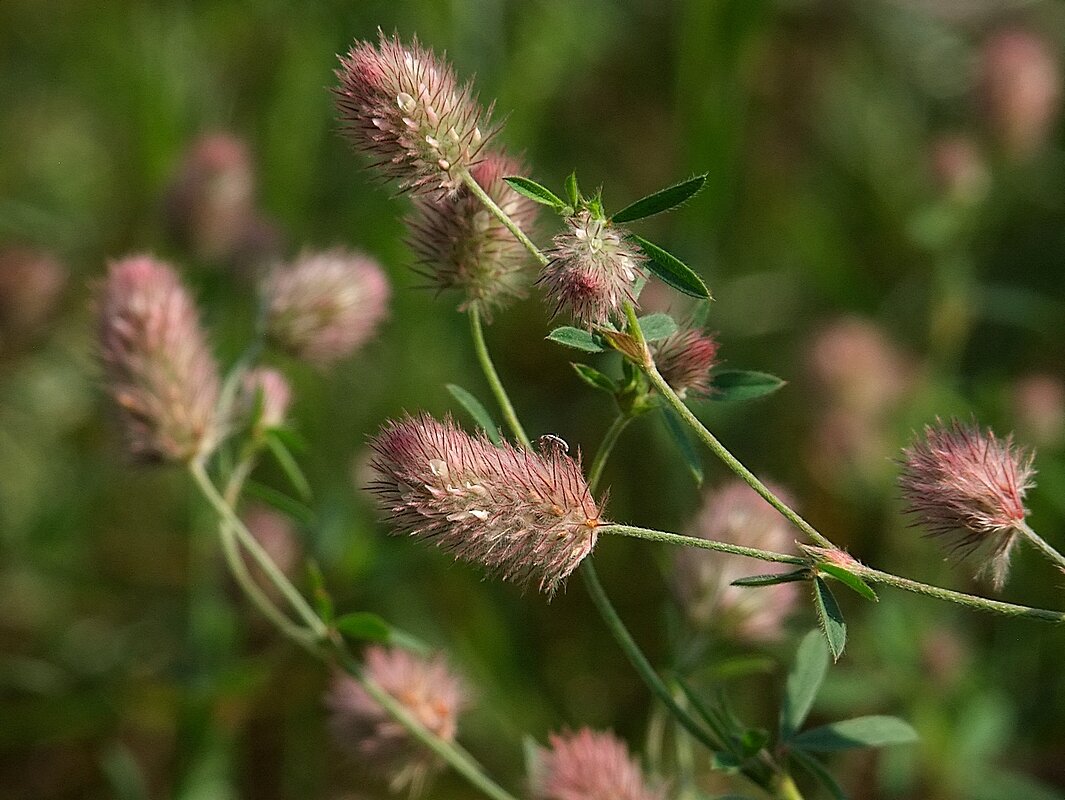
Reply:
x=490, y=375
x=1043, y=546
x=664, y=537
x=503, y=217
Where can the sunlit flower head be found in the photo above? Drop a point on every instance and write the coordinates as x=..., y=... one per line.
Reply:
x=587, y=765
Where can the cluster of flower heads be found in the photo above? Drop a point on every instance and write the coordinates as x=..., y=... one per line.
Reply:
x=461, y=245
x=405, y=107
x=587, y=765
x=735, y=513
x=526, y=516
x=428, y=690
x=967, y=486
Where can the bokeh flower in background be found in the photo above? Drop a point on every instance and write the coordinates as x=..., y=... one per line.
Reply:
x=589, y=765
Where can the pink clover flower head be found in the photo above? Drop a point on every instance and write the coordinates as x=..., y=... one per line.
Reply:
x=405, y=108
x=593, y=270
x=967, y=487
x=735, y=513
x=525, y=516
x=326, y=305
x=159, y=371
x=426, y=687
x=685, y=359
x=591, y=766
x=267, y=391
x=461, y=245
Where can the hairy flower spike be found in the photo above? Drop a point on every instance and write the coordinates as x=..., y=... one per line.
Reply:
x=159, y=370
x=591, y=766
x=968, y=486
x=735, y=513
x=592, y=270
x=326, y=305
x=685, y=359
x=428, y=690
x=405, y=108
x=527, y=517
x=461, y=245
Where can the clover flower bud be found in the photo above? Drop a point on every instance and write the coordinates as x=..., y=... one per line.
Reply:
x=590, y=766
x=405, y=108
x=267, y=391
x=427, y=689
x=685, y=359
x=735, y=513
x=592, y=270
x=967, y=487
x=324, y=306
x=525, y=516
x=160, y=373
x=1020, y=82
x=461, y=245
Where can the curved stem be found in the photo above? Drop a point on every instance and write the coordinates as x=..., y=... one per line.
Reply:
x=490, y=374
x=1043, y=546
x=664, y=537
x=610, y=438
x=503, y=217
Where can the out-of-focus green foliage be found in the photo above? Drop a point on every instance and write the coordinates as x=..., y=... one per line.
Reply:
x=129, y=665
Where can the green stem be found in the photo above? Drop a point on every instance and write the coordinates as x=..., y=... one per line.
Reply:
x=786, y=789
x=638, y=659
x=1043, y=546
x=490, y=374
x=503, y=217
x=706, y=544
x=711, y=441
x=610, y=438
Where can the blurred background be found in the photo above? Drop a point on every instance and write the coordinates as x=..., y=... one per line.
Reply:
x=883, y=227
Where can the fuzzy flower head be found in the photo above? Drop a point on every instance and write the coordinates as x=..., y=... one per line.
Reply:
x=591, y=766
x=160, y=372
x=267, y=392
x=427, y=689
x=593, y=270
x=461, y=245
x=685, y=359
x=735, y=513
x=405, y=108
x=968, y=486
x=324, y=306
x=525, y=516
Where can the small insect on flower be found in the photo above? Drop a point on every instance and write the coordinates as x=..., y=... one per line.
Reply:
x=405, y=108
x=685, y=359
x=461, y=245
x=323, y=307
x=967, y=486
x=593, y=270
x=525, y=516
x=427, y=689
x=160, y=372
x=590, y=766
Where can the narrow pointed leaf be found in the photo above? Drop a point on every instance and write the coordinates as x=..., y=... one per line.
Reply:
x=657, y=326
x=364, y=626
x=288, y=465
x=535, y=191
x=873, y=731
x=672, y=270
x=830, y=618
x=849, y=579
x=733, y=385
x=292, y=440
x=477, y=411
x=578, y=339
x=688, y=451
x=595, y=378
x=773, y=578
x=663, y=200
x=820, y=771
x=573, y=194
x=804, y=682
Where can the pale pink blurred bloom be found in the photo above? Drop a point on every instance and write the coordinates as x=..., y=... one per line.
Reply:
x=405, y=108
x=1039, y=404
x=427, y=689
x=593, y=270
x=31, y=283
x=267, y=390
x=959, y=169
x=160, y=372
x=461, y=245
x=325, y=305
x=968, y=486
x=1020, y=84
x=525, y=516
x=277, y=535
x=685, y=359
x=858, y=366
x=735, y=513
x=587, y=765
x=944, y=655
